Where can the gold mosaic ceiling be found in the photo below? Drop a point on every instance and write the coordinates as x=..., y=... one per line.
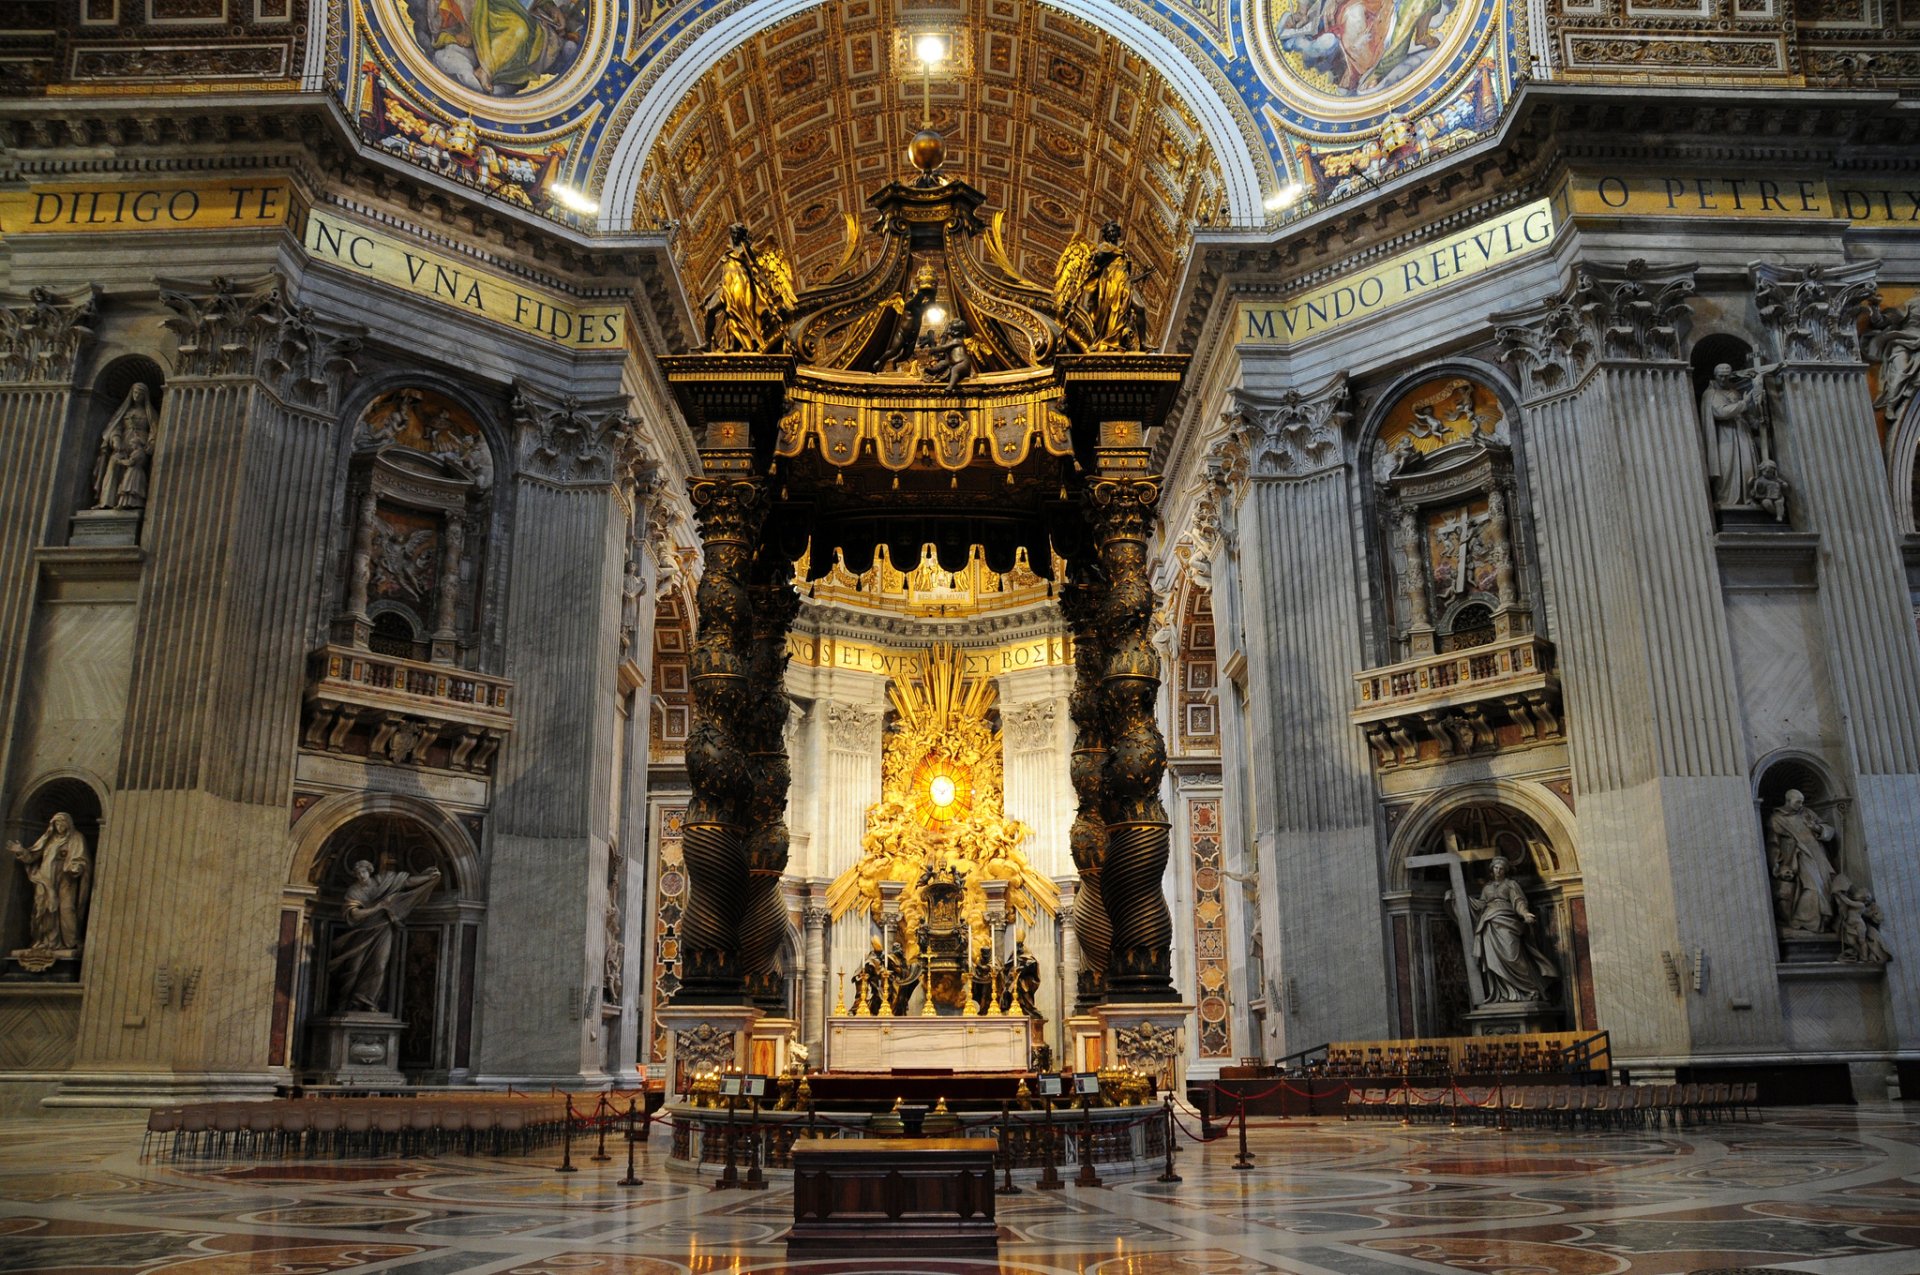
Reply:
x=1056, y=122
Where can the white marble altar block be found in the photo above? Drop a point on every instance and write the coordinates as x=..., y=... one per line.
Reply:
x=964, y=1044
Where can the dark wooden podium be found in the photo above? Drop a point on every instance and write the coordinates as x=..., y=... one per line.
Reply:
x=935, y=1194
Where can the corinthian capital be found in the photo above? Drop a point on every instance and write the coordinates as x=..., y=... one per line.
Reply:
x=570, y=442
x=1295, y=434
x=222, y=324
x=1631, y=310
x=308, y=361
x=42, y=335
x=1549, y=346
x=1814, y=314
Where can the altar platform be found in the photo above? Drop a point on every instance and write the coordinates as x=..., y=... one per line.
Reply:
x=989, y=1043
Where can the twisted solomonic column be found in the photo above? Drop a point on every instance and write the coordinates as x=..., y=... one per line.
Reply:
x=730, y=509
x=1122, y=508
x=1088, y=836
x=764, y=918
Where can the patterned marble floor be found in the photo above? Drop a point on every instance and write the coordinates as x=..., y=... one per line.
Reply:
x=1824, y=1190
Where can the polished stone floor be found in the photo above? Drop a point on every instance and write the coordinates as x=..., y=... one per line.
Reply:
x=1828, y=1190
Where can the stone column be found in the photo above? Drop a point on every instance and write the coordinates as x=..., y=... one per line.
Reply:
x=1123, y=498
x=41, y=342
x=1830, y=451
x=1311, y=781
x=1069, y=979
x=820, y=979
x=553, y=825
x=730, y=503
x=186, y=907
x=1667, y=835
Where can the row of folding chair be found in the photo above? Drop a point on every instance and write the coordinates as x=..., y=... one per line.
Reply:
x=361, y=1127
x=1559, y=1106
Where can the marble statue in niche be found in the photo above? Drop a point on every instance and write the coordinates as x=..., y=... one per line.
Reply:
x=1803, y=875
x=126, y=447
x=1737, y=433
x=61, y=874
x=1893, y=341
x=377, y=905
x=1513, y=968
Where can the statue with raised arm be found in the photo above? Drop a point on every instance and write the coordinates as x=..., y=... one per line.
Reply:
x=1512, y=967
x=61, y=874
x=1093, y=293
x=377, y=905
x=1735, y=432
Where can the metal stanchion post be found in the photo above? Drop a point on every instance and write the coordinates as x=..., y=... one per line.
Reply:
x=1086, y=1176
x=1167, y=1174
x=1245, y=1159
x=729, y=1172
x=1006, y=1151
x=756, y=1180
x=1050, y=1166
x=600, y=1155
x=633, y=1107
x=566, y=1141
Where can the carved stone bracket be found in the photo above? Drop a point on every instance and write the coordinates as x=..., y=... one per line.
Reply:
x=41, y=336
x=1814, y=314
x=223, y=325
x=571, y=442
x=1295, y=434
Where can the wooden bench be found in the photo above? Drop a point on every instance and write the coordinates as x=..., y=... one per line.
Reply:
x=935, y=1194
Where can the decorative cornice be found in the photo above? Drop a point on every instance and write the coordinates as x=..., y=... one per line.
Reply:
x=41, y=335
x=1814, y=314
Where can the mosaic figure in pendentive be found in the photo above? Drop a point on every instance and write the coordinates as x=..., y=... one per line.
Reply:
x=503, y=48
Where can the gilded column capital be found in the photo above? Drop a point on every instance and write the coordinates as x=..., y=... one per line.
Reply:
x=1814, y=314
x=223, y=326
x=1294, y=434
x=42, y=334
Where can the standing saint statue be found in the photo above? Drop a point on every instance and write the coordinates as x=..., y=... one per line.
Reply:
x=1733, y=426
x=1514, y=970
x=120, y=466
x=1802, y=872
x=1093, y=292
x=1893, y=341
x=61, y=874
x=377, y=905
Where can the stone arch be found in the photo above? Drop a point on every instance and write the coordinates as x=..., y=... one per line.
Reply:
x=82, y=797
x=484, y=409
x=1223, y=121
x=1491, y=375
x=1535, y=801
x=332, y=814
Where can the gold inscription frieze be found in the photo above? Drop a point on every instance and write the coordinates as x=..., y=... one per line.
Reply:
x=866, y=657
x=1885, y=202
x=460, y=285
x=111, y=207
x=1398, y=280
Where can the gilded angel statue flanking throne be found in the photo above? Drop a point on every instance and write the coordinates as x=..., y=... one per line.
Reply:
x=749, y=311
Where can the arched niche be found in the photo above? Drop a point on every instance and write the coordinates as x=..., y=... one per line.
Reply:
x=1806, y=845
x=50, y=873
x=1196, y=673
x=1449, y=535
x=430, y=973
x=1442, y=854
x=113, y=470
